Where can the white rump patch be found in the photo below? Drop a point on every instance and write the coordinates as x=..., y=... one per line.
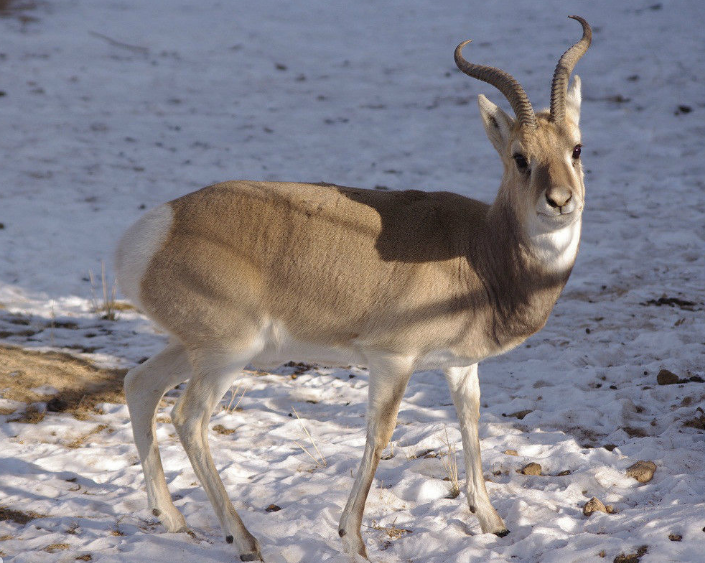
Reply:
x=137, y=247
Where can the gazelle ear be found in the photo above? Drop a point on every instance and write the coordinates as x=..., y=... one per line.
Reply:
x=573, y=100
x=498, y=125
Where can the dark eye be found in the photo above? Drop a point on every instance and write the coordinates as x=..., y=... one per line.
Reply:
x=521, y=162
x=576, y=151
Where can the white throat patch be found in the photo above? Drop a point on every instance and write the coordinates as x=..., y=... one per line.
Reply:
x=557, y=249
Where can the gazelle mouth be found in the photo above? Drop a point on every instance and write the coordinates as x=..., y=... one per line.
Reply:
x=559, y=218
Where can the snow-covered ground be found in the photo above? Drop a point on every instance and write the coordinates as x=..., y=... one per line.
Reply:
x=111, y=107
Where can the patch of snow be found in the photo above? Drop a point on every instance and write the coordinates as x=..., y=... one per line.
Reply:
x=111, y=108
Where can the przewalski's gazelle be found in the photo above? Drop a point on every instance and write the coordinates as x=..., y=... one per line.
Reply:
x=260, y=273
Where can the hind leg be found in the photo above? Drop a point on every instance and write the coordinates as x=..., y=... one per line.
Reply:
x=144, y=387
x=213, y=373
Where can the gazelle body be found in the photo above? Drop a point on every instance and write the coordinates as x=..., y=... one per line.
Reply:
x=260, y=273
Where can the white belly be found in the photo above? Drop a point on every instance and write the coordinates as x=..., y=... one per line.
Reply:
x=281, y=347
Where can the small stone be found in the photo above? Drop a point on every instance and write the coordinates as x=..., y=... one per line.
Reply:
x=632, y=557
x=594, y=505
x=682, y=108
x=273, y=508
x=521, y=414
x=642, y=471
x=511, y=452
x=666, y=377
x=675, y=537
x=57, y=404
x=531, y=469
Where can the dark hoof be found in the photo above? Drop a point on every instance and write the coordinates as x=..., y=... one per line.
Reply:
x=502, y=533
x=255, y=556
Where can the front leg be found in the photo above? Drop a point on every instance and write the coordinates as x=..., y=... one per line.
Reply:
x=389, y=375
x=465, y=390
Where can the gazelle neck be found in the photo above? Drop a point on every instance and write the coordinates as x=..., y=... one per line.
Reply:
x=523, y=272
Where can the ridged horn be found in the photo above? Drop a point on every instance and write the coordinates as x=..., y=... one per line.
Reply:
x=504, y=82
x=566, y=64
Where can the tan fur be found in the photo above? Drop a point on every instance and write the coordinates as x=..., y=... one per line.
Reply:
x=403, y=271
x=263, y=272
x=361, y=265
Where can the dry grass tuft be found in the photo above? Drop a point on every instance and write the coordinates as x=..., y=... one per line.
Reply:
x=81, y=440
x=233, y=404
x=54, y=547
x=81, y=385
x=109, y=306
x=31, y=415
x=18, y=516
x=450, y=464
x=392, y=532
x=318, y=459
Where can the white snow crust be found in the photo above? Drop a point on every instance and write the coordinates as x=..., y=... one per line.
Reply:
x=111, y=107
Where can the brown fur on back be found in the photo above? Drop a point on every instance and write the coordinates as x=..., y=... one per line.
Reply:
x=331, y=263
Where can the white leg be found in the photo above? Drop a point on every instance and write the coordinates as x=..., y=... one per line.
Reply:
x=465, y=390
x=389, y=376
x=144, y=387
x=213, y=376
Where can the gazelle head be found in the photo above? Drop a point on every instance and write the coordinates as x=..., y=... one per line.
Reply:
x=543, y=175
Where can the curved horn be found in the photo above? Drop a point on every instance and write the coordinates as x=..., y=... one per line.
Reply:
x=559, y=86
x=504, y=82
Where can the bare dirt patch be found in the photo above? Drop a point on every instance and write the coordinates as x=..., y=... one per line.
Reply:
x=80, y=384
x=18, y=8
x=18, y=516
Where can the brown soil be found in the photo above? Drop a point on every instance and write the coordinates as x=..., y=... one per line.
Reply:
x=81, y=384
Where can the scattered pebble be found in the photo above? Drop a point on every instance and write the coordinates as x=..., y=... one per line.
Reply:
x=642, y=471
x=675, y=537
x=682, y=108
x=666, y=377
x=531, y=469
x=273, y=508
x=57, y=404
x=520, y=414
x=596, y=505
x=698, y=421
x=632, y=557
x=511, y=452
